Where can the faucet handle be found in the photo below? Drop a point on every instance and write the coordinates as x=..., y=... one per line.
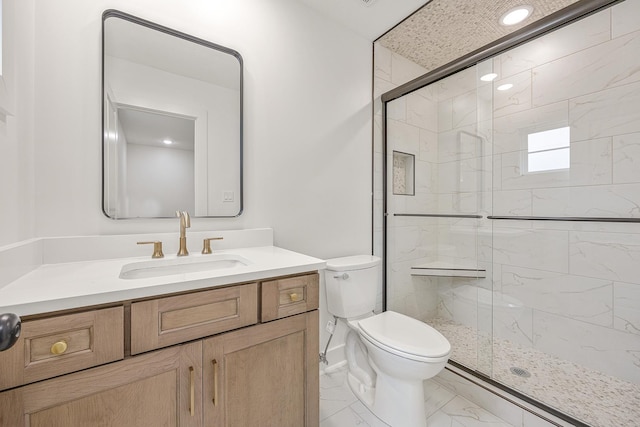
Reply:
x=157, y=248
x=206, y=244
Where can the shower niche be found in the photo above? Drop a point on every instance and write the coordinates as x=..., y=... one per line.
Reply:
x=404, y=174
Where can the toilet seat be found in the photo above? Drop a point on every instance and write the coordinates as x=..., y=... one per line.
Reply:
x=404, y=336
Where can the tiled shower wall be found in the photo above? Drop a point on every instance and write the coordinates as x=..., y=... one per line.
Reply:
x=391, y=71
x=578, y=282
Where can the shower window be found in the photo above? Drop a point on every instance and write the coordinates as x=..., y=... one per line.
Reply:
x=549, y=150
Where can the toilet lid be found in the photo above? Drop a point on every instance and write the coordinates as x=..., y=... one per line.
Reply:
x=405, y=334
x=356, y=262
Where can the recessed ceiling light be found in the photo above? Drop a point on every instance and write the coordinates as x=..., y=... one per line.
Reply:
x=505, y=86
x=516, y=15
x=167, y=141
x=488, y=77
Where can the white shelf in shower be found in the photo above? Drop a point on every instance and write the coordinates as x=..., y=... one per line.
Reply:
x=444, y=269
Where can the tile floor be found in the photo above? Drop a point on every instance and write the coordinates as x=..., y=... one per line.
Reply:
x=339, y=407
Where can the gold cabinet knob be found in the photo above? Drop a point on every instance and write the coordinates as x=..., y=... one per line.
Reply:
x=294, y=297
x=59, y=348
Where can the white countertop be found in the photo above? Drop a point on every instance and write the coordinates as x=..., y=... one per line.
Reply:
x=52, y=287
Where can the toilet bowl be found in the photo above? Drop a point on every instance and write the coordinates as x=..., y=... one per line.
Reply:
x=389, y=354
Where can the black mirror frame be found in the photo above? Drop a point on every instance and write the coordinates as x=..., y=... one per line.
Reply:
x=113, y=13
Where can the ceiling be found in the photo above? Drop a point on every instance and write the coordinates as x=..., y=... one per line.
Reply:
x=151, y=128
x=439, y=31
x=370, y=19
x=445, y=30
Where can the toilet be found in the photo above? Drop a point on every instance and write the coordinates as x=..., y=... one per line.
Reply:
x=389, y=355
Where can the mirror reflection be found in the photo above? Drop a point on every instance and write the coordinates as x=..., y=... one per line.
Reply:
x=172, y=122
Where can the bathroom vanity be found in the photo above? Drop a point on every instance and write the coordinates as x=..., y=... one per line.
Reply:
x=214, y=348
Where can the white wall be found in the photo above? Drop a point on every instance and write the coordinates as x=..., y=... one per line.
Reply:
x=159, y=180
x=307, y=120
x=17, y=211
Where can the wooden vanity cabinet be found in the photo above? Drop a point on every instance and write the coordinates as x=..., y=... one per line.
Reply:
x=161, y=322
x=63, y=344
x=289, y=296
x=266, y=375
x=261, y=375
x=161, y=388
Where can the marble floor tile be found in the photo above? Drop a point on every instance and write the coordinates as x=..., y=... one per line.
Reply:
x=345, y=418
x=367, y=415
x=340, y=408
x=460, y=412
x=436, y=396
x=335, y=394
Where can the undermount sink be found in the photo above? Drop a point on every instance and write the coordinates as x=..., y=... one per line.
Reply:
x=192, y=264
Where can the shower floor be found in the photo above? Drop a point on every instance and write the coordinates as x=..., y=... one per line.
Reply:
x=590, y=396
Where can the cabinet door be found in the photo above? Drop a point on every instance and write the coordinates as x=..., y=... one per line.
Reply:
x=263, y=376
x=162, y=388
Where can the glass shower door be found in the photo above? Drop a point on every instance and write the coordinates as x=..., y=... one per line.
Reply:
x=438, y=193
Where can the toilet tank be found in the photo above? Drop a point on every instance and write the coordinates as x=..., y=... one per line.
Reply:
x=352, y=285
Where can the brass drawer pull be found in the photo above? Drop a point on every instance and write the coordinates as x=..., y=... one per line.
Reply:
x=215, y=382
x=59, y=348
x=295, y=297
x=192, y=380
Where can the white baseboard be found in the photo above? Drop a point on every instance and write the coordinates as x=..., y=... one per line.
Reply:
x=336, y=359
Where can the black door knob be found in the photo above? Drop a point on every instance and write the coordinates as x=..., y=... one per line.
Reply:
x=10, y=325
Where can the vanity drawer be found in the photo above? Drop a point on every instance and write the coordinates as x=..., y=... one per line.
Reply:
x=62, y=344
x=286, y=297
x=167, y=321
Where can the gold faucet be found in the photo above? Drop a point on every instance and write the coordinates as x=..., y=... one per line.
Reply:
x=206, y=245
x=185, y=222
x=157, y=248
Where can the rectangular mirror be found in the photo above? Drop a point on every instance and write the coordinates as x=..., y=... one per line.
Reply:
x=172, y=122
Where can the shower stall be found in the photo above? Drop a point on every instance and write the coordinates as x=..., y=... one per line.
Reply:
x=510, y=213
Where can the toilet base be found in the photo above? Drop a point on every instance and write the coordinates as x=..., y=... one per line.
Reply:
x=363, y=392
x=397, y=403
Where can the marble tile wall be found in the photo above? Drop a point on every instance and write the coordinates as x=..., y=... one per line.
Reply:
x=412, y=124
x=577, y=280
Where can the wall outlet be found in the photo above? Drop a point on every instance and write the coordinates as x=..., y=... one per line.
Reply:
x=227, y=196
